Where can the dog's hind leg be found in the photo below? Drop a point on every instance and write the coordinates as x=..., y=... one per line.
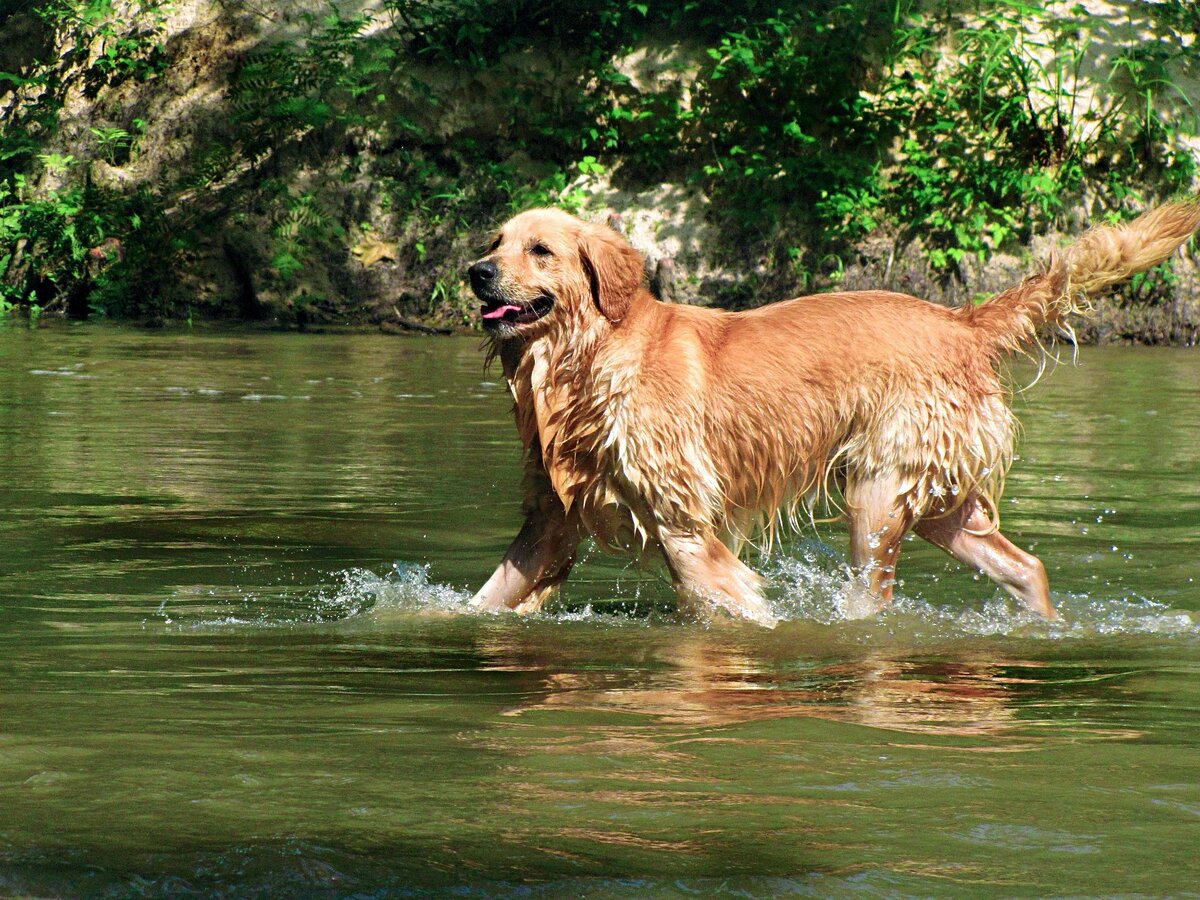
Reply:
x=879, y=518
x=539, y=559
x=970, y=536
x=706, y=573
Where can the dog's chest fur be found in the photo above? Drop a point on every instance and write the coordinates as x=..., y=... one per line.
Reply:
x=600, y=444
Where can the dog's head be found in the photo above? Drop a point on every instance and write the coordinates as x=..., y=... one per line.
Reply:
x=546, y=267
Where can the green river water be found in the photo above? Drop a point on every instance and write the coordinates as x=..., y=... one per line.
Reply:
x=235, y=659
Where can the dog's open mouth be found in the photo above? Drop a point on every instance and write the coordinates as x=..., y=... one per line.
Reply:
x=501, y=311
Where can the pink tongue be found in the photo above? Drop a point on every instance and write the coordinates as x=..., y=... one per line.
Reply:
x=499, y=311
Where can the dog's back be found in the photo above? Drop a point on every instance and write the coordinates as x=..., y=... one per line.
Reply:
x=793, y=394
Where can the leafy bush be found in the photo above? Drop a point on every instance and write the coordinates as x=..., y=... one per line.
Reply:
x=60, y=235
x=834, y=118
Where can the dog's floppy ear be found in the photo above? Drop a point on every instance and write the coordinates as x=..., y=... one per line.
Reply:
x=613, y=268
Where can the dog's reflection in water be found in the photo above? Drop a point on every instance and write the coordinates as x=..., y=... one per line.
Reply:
x=707, y=679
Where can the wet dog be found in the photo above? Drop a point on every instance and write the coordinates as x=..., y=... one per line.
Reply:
x=658, y=428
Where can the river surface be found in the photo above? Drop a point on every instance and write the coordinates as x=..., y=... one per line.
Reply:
x=235, y=658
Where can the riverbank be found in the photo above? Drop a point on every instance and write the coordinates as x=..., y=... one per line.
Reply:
x=327, y=164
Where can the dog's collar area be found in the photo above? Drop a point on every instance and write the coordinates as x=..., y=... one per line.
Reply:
x=499, y=312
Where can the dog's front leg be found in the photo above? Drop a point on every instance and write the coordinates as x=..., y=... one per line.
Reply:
x=706, y=573
x=537, y=562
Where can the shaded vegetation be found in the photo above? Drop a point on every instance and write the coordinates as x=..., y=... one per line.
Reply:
x=397, y=134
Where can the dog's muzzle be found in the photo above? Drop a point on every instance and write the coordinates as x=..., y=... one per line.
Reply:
x=498, y=310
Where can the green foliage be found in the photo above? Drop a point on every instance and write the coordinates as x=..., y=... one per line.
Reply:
x=300, y=226
x=838, y=117
x=129, y=38
x=1001, y=135
x=114, y=144
x=968, y=125
x=845, y=117
x=331, y=78
x=58, y=230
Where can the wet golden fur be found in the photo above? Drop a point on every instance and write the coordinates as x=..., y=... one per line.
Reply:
x=685, y=431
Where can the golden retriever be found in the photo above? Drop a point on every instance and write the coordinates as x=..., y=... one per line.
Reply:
x=682, y=431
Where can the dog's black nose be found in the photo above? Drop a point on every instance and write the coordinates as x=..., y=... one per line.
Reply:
x=482, y=274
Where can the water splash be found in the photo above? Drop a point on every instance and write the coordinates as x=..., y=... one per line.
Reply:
x=355, y=593
x=815, y=586
x=812, y=586
x=406, y=588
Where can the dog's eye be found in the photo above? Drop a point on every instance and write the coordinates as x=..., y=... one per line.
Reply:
x=495, y=244
x=540, y=250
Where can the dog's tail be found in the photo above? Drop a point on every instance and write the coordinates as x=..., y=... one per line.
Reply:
x=1105, y=256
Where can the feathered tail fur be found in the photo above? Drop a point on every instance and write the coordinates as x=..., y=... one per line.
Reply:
x=1105, y=256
